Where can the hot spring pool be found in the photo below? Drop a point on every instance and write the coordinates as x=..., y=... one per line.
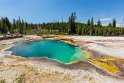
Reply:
x=53, y=49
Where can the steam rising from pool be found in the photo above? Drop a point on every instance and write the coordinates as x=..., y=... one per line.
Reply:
x=53, y=49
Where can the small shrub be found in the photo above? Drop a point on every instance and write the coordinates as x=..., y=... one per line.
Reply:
x=2, y=81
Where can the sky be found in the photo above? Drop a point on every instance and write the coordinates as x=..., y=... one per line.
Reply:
x=39, y=11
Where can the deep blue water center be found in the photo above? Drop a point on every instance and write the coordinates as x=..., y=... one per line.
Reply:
x=52, y=49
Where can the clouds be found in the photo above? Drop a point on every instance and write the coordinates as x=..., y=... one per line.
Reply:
x=106, y=19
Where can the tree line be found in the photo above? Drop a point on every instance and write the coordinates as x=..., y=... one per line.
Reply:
x=71, y=27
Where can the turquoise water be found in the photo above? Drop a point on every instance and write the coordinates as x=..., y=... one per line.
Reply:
x=53, y=49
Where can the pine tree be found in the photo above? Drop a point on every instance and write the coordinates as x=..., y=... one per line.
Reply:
x=92, y=22
x=7, y=22
x=88, y=22
x=110, y=25
x=72, y=19
x=5, y=25
x=80, y=31
x=99, y=23
x=114, y=23
x=20, y=26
